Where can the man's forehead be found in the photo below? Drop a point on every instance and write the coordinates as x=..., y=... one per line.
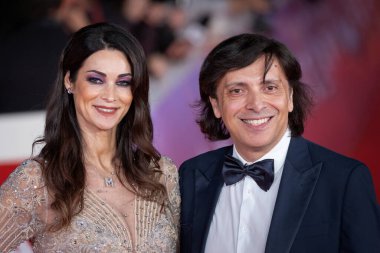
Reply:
x=256, y=70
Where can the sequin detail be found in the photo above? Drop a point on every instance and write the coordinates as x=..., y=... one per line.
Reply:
x=25, y=213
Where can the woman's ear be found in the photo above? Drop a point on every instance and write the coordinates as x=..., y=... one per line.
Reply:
x=68, y=83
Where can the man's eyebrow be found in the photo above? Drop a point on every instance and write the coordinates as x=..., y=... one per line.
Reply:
x=239, y=83
x=271, y=80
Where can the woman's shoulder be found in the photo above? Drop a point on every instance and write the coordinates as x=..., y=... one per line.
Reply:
x=27, y=175
x=170, y=179
x=168, y=167
x=29, y=168
x=24, y=187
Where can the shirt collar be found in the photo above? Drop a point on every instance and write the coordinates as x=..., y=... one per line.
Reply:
x=278, y=152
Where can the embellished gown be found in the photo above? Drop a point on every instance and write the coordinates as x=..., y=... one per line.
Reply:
x=99, y=227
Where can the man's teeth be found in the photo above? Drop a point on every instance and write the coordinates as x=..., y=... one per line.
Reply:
x=256, y=122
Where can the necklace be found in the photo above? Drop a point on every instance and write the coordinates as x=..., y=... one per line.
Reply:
x=108, y=181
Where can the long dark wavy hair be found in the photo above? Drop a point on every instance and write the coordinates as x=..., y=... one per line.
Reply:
x=62, y=158
x=238, y=52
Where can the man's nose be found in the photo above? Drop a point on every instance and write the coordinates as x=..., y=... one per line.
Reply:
x=255, y=101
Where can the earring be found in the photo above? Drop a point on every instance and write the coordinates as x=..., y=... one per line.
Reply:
x=69, y=91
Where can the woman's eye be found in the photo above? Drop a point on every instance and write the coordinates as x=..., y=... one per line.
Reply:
x=123, y=82
x=95, y=80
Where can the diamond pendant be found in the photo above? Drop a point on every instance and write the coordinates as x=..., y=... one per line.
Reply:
x=108, y=182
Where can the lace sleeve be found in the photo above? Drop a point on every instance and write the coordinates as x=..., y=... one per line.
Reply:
x=172, y=186
x=21, y=195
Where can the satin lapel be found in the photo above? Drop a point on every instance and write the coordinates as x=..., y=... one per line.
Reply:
x=296, y=188
x=209, y=182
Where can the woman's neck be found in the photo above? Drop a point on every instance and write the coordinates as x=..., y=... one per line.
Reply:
x=99, y=150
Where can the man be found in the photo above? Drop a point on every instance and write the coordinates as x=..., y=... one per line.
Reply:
x=272, y=191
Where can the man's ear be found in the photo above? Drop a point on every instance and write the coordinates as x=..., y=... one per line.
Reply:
x=290, y=104
x=215, y=107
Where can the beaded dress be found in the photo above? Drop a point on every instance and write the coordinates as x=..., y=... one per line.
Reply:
x=25, y=213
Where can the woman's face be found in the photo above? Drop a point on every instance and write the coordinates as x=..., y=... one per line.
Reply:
x=101, y=91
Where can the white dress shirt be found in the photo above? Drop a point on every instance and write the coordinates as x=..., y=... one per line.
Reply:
x=244, y=211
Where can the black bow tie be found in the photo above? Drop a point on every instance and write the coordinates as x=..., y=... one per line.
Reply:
x=262, y=172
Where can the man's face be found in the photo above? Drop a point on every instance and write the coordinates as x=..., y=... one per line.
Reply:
x=255, y=111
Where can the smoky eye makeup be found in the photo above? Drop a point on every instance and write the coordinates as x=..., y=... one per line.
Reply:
x=95, y=78
x=124, y=80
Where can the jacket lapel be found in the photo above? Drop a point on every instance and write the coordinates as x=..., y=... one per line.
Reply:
x=298, y=182
x=208, y=184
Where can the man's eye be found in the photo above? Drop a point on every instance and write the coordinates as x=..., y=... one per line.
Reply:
x=271, y=87
x=235, y=91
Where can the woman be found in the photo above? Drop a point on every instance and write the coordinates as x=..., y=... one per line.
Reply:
x=98, y=184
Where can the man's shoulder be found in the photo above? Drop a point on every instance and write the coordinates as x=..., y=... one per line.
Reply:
x=207, y=158
x=327, y=155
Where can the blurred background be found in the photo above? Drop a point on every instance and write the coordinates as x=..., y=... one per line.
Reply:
x=336, y=41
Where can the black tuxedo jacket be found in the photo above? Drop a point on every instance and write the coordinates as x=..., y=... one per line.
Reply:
x=326, y=202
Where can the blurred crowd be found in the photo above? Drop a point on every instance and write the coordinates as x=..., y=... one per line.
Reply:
x=33, y=33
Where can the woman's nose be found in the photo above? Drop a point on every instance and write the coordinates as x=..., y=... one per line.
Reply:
x=109, y=93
